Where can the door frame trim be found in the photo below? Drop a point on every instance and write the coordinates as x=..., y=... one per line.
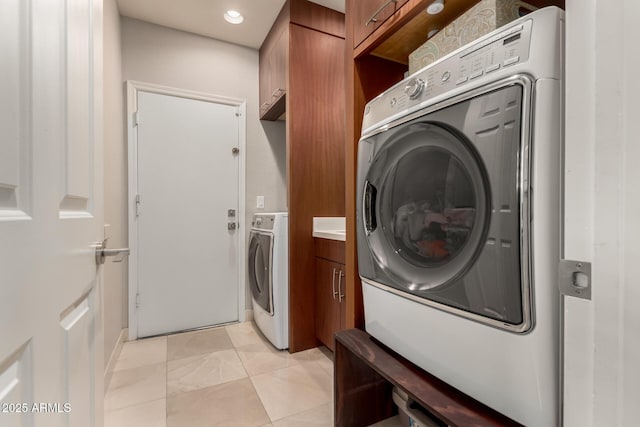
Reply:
x=132, y=89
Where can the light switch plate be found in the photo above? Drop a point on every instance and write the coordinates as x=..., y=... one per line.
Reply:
x=260, y=202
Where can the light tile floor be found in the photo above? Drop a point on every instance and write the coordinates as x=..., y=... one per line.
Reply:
x=226, y=376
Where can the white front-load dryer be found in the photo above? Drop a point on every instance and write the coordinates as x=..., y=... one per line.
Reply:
x=458, y=217
x=268, y=275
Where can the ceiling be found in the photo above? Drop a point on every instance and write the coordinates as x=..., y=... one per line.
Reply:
x=205, y=17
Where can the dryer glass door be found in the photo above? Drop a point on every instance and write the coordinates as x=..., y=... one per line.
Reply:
x=260, y=264
x=426, y=206
x=437, y=193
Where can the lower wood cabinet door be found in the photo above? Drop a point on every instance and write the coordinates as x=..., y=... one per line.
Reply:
x=329, y=300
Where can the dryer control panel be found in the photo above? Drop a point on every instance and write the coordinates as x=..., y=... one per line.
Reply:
x=263, y=221
x=480, y=60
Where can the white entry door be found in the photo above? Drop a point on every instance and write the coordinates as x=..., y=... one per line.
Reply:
x=186, y=255
x=51, y=356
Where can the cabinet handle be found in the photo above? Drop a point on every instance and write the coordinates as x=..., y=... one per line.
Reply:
x=377, y=12
x=333, y=284
x=340, y=294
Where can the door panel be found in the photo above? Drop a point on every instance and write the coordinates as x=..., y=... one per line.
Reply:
x=50, y=151
x=79, y=91
x=187, y=181
x=78, y=355
x=15, y=149
x=16, y=376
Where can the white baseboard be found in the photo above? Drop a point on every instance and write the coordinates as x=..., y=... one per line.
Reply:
x=115, y=354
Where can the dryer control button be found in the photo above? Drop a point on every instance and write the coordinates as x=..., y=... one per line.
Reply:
x=476, y=74
x=511, y=61
x=446, y=76
x=493, y=67
x=462, y=80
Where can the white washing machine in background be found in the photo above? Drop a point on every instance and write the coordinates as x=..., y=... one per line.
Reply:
x=459, y=217
x=268, y=263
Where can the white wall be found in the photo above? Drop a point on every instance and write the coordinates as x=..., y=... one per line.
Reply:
x=602, y=212
x=159, y=55
x=115, y=182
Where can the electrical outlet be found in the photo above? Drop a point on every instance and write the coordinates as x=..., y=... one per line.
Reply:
x=260, y=202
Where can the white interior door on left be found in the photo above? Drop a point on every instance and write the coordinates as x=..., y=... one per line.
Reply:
x=51, y=213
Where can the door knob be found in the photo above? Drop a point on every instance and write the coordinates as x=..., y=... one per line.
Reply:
x=102, y=253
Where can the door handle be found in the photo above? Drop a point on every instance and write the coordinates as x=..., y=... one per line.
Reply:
x=369, y=207
x=340, y=294
x=102, y=253
x=333, y=283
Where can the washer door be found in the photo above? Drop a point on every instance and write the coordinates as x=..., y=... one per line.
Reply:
x=260, y=264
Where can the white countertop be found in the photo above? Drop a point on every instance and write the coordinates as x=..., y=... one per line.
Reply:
x=332, y=228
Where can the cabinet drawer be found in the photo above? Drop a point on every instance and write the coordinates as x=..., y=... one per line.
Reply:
x=370, y=14
x=332, y=250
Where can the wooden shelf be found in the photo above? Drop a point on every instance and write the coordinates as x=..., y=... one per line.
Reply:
x=366, y=372
x=408, y=28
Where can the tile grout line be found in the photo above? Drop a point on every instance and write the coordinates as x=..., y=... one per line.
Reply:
x=300, y=363
x=235, y=349
x=137, y=403
x=121, y=371
x=249, y=378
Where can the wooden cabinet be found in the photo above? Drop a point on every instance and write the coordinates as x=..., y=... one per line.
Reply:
x=369, y=15
x=329, y=290
x=312, y=39
x=329, y=300
x=273, y=60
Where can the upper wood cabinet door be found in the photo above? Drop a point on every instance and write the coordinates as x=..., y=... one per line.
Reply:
x=264, y=81
x=370, y=14
x=273, y=63
x=278, y=66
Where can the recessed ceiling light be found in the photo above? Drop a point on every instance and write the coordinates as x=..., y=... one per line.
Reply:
x=436, y=7
x=233, y=16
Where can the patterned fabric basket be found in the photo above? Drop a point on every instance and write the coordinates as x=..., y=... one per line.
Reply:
x=481, y=19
